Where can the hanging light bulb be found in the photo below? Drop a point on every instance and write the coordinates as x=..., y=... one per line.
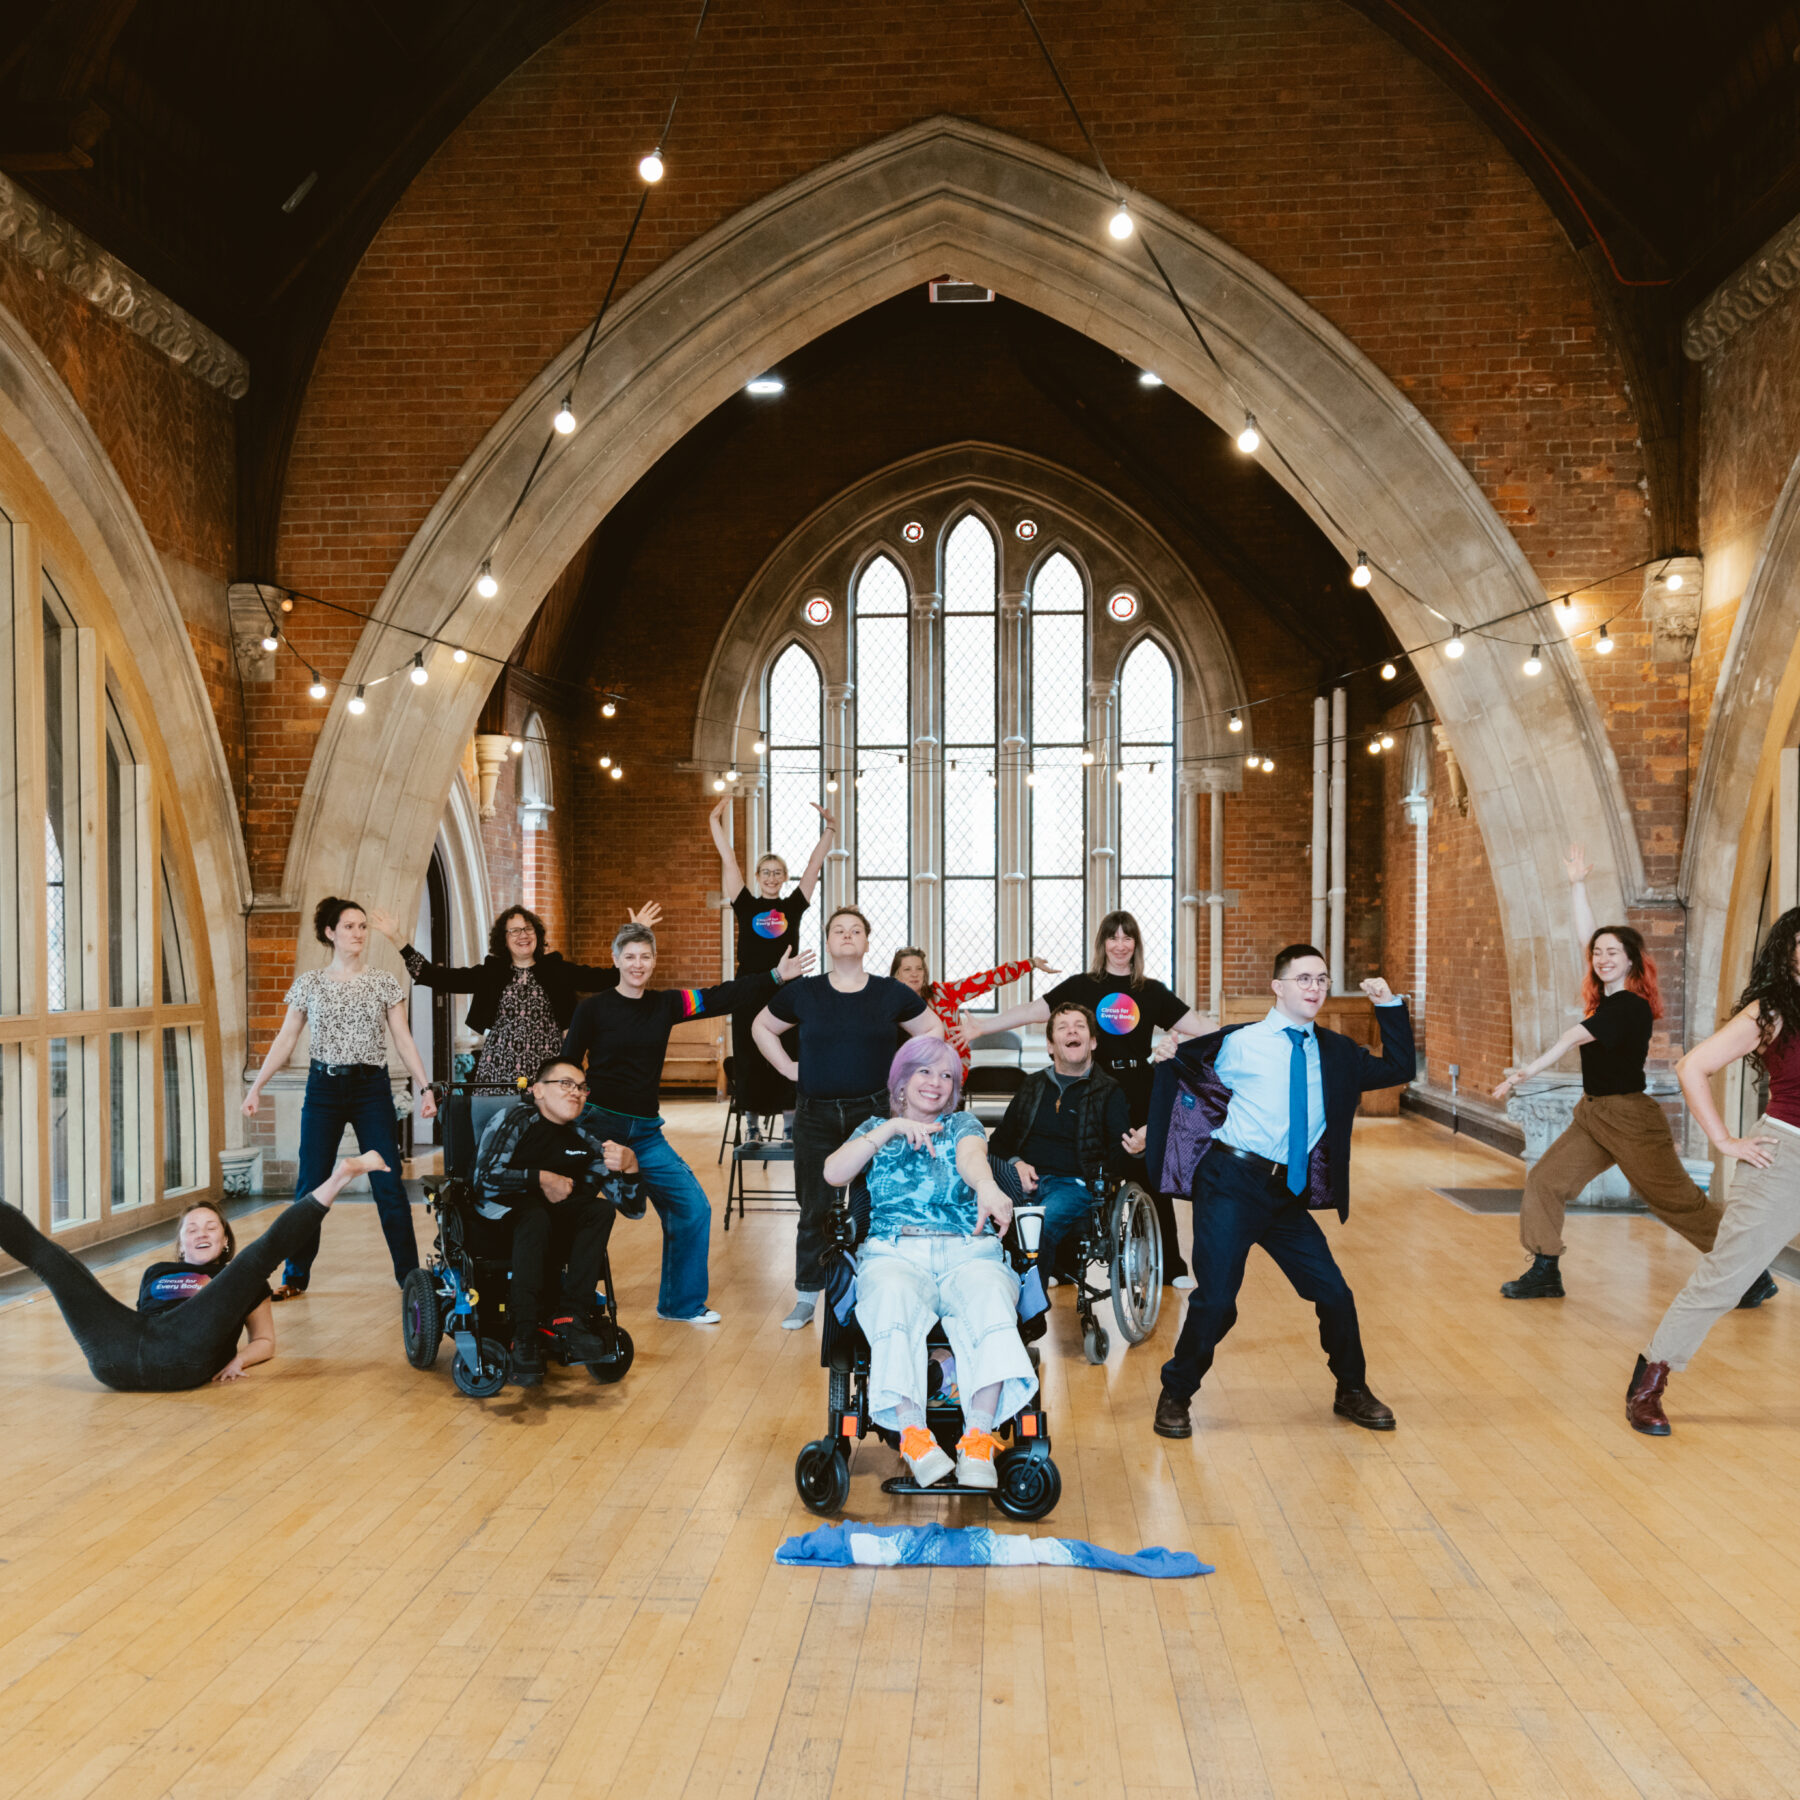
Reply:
x=1603, y=644
x=1388, y=671
x=993, y=779
x=1534, y=663
x=1374, y=746
x=650, y=166
x=831, y=785
x=1149, y=378
x=1119, y=776
x=606, y=763
x=1120, y=224
x=1456, y=646
x=618, y=774
x=318, y=689
x=1031, y=777
x=420, y=675
x=859, y=780
x=608, y=710
x=564, y=419
x=287, y=604
x=1362, y=574
x=459, y=655
x=358, y=704
x=1087, y=759
x=1387, y=740
x=1234, y=723
x=1253, y=762
x=271, y=642
x=718, y=785
x=760, y=747
x=517, y=747
x=1674, y=581
x=1249, y=440
x=485, y=584
x=1268, y=765
x=731, y=774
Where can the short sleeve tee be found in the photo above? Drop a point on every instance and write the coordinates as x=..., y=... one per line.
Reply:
x=166, y=1284
x=1614, y=1062
x=1128, y=1017
x=766, y=929
x=846, y=1040
x=347, y=1019
x=919, y=1190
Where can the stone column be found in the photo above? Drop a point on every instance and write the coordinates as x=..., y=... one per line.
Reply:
x=839, y=880
x=1012, y=799
x=1103, y=800
x=1418, y=813
x=492, y=749
x=1190, y=785
x=925, y=774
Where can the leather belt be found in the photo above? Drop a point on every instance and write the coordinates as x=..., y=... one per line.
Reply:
x=346, y=1068
x=1265, y=1166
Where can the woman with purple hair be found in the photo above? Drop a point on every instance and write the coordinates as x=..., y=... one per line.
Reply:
x=930, y=1256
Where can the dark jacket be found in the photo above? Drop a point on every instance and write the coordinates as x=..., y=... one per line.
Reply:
x=498, y=1185
x=1096, y=1149
x=563, y=983
x=1189, y=1102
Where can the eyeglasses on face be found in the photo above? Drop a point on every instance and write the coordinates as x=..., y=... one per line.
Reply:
x=567, y=1086
x=1307, y=981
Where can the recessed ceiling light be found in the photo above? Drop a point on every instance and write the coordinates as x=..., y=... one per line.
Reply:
x=766, y=384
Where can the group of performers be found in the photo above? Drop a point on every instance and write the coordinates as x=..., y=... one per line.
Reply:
x=1252, y=1123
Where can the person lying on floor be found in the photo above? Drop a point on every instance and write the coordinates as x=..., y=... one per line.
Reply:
x=556, y=1176
x=929, y=1256
x=190, y=1312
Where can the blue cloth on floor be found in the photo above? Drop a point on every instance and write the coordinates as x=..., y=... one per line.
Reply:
x=889, y=1546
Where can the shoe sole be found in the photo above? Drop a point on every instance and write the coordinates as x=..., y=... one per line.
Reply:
x=1508, y=1292
x=976, y=1475
x=796, y=1324
x=1162, y=1431
x=671, y=1319
x=1649, y=1430
x=1368, y=1424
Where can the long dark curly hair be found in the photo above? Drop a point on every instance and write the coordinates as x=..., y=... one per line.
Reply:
x=497, y=936
x=1774, y=986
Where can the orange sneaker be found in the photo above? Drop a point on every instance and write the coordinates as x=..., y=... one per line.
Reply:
x=975, y=1452
x=924, y=1456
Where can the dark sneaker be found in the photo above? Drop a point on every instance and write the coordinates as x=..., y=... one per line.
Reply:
x=583, y=1339
x=525, y=1367
x=1542, y=1281
x=1361, y=1407
x=1762, y=1288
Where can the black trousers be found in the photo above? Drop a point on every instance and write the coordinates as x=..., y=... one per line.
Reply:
x=1234, y=1209
x=820, y=1126
x=574, y=1231
x=184, y=1347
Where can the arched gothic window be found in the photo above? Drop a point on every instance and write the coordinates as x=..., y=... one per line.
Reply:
x=968, y=676
x=882, y=673
x=1147, y=800
x=1058, y=777
x=796, y=757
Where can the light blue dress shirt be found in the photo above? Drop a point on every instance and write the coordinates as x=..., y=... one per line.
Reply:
x=1253, y=1063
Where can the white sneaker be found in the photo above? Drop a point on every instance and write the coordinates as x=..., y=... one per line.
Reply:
x=802, y=1315
x=706, y=1316
x=975, y=1453
x=1184, y=1281
x=923, y=1454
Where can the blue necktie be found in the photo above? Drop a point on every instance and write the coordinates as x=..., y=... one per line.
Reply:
x=1297, y=1119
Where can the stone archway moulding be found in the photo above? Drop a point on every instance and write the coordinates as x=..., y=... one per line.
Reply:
x=946, y=193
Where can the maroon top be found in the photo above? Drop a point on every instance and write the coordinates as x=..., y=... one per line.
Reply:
x=1782, y=1060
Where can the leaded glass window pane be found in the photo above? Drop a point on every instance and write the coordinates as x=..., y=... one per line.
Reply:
x=1147, y=803
x=65, y=738
x=1057, y=814
x=1058, y=930
x=12, y=753
x=796, y=774
x=970, y=833
x=1058, y=678
x=969, y=567
x=969, y=679
x=881, y=680
x=887, y=905
x=969, y=933
x=882, y=844
x=881, y=588
x=1058, y=587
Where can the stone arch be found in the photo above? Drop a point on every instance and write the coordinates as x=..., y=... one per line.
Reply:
x=1031, y=224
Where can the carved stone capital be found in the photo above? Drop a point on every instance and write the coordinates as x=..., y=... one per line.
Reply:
x=1673, y=611
x=1544, y=1105
x=1744, y=295
x=1417, y=808
x=1459, y=786
x=492, y=748
x=252, y=607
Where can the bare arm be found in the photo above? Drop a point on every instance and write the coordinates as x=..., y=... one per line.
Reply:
x=1695, y=1072
x=1570, y=1039
x=261, y=1347
x=409, y=1054
x=990, y=1198
x=850, y=1158
x=765, y=1031
x=279, y=1052
x=731, y=877
x=927, y=1024
x=1190, y=1024
x=815, y=864
x=1027, y=1012
x=1580, y=869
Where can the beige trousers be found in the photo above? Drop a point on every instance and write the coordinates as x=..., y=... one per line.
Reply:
x=1630, y=1130
x=1763, y=1215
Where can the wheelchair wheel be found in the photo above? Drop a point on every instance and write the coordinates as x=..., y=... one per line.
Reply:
x=608, y=1373
x=822, y=1477
x=1137, y=1263
x=1030, y=1486
x=421, y=1318
x=1095, y=1344
x=485, y=1380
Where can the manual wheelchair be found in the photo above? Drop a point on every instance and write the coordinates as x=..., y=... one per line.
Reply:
x=1030, y=1483
x=1122, y=1236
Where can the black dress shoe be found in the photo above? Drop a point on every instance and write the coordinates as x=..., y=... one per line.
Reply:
x=1762, y=1288
x=525, y=1366
x=1172, y=1419
x=1542, y=1281
x=1361, y=1407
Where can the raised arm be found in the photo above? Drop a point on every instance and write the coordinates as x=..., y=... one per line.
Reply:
x=731, y=876
x=409, y=1054
x=1695, y=1072
x=815, y=864
x=1580, y=869
x=442, y=976
x=279, y=1052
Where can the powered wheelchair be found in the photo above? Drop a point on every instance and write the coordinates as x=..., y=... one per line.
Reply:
x=1029, y=1482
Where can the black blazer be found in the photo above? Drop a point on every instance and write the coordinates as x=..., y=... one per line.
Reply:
x=563, y=983
x=1188, y=1104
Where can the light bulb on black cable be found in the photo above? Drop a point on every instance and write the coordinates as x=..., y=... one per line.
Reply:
x=1455, y=648
x=608, y=710
x=318, y=689
x=564, y=420
x=1362, y=574
x=1120, y=224
x=485, y=584
x=1603, y=644
x=618, y=774
x=517, y=747
x=1234, y=723
x=358, y=704
x=1388, y=671
x=1087, y=759
x=1534, y=663
x=1387, y=740
x=271, y=642
x=1249, y=440
x=650, y=166
x=459, y=655
x=419, y=673
x=760, y=747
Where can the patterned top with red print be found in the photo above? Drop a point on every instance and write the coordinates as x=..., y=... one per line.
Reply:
x=944, y=997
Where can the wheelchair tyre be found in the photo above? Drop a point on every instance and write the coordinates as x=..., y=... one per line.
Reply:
x=1030, y=1486
x=822, y=1477
x=608, y=1373
x=1095, y=1344
x=421, y=1318
x=486, y=1380
x=1137, y=1263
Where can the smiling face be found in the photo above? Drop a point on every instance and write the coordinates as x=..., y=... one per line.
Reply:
x=1120, y=948
x=910, y=970
x=521, y=939
x=771, y=872
x=929, y=1092
x=637, y=963
x=1071, y=1043
x=1612, y=961
x=561, y=1092
x=1301, y=988
x=350, y=934
x=202, y=1237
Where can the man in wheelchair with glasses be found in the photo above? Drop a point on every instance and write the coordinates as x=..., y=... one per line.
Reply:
x=559, y=1182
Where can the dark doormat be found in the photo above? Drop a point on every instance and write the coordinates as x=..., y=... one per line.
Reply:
x=1506, y=1200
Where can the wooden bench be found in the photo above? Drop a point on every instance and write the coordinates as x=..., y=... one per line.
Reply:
x=696, y=1056
x=1352, y=1014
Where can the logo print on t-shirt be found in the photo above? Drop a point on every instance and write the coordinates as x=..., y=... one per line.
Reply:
x=1118, y=1014
x=770, y=924
x=182, y=1286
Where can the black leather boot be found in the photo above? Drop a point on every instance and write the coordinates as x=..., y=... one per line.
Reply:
x=1762, y=1288
x=1542, y=1281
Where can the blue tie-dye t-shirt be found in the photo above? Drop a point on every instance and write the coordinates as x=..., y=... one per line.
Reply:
x=920, y=1188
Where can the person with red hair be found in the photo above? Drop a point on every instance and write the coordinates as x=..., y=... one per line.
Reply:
x=1615, y=1120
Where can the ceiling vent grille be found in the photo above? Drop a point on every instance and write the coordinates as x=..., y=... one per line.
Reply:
x=949, y=292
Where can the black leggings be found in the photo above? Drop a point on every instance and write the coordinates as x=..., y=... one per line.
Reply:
x=166, y=1352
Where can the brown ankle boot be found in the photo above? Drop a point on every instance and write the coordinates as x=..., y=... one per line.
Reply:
x=1644, y=1398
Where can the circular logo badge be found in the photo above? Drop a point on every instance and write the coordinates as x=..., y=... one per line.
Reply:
x=772, y=924
x=1118, y=1014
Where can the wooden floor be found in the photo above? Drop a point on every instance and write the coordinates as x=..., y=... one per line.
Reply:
x=341, y=1578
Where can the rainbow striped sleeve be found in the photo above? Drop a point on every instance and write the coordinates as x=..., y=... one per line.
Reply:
x=691, y=1002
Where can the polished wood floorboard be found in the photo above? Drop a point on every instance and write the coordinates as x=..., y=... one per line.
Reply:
x=340, y=1578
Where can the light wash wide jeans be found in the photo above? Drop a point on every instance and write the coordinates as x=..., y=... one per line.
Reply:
x=904, y=1285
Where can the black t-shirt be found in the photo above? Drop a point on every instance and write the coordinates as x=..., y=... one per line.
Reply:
x=559, y=1148
x=166, y=1284
x=766, y=929
x=846, y=1040
x=1614, y=1062
x=622, y=1042
x=1126, y=1016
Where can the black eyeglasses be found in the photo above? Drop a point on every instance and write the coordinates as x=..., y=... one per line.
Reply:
x=567, y=1086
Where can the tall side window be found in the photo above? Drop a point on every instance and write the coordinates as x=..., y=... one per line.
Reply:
x=1058, y=786
x=796, y=757
x=1147, y=802
x=14, y=756
x=882, y=667
x=65, y=771
x=970, y=675
x=183, y=1052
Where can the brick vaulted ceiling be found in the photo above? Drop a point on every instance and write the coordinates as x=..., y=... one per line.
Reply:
x=1664, y=134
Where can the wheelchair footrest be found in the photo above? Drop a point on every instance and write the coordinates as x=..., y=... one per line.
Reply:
x=943, y=1490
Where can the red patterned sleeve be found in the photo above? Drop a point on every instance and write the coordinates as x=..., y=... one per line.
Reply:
x=956, y=992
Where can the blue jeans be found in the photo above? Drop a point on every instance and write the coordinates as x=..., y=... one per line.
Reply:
x=360, y=1096
x=680, y=1203
x=1066, y=1202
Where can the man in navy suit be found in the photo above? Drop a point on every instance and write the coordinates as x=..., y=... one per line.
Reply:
x=1254, y=1122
